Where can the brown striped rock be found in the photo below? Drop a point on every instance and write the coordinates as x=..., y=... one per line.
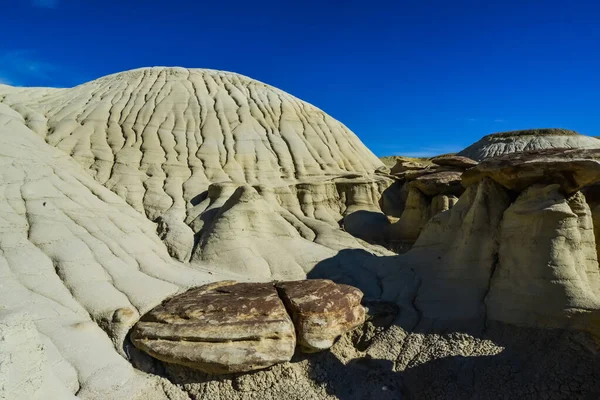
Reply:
x=322, y=311
x=225, y=327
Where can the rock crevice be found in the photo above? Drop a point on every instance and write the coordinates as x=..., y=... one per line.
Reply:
x=229, y=327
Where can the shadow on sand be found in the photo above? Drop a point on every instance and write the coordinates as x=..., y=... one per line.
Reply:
x=497, y=362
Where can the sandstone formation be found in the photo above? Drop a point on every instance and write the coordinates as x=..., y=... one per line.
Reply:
x=81, y=263
x=447, y=182
x=498, y=144
x=228, y=327
x=176, y=143
x=372, y=226
x=455, y=253
x=553, y=237
x=119, y=195
x=592, y=196
x=322, y=311
x=84, y=262
x=426, y=189
x=572, y=169
x=415, y=215
x=452, y=160
x=403, y=164
x=223, y=327
x=442, y=202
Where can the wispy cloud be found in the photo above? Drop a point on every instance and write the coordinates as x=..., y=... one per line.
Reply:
x=430, y=151
x=26, y=67
x=45, y=3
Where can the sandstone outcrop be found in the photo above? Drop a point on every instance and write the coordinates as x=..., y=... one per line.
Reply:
x=176, y=143
x=547, y=273
x=160, y=136
x=83, y=265
x=415, y=215
x=322, y=311
x=442, y=202
x=371, y=226
x=424, y=188
x=572, y=169
x=404, y=164
x=452, y=160
x=228, y=327
x=85, y=261
x=592, y=196
x=455, y=254
x=224, y=327
x=499, y=144
x=447, y=182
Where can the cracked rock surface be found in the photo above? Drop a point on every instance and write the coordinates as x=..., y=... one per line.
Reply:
x=321, y=310
x=223, y=327
x=228, y=327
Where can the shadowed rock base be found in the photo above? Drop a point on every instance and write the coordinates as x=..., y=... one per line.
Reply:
x=228, y=327
x=505, y=362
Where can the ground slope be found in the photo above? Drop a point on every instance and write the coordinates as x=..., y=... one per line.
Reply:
x=77, y=267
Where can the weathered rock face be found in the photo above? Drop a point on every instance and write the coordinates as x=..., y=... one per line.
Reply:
x=224, y=327
x=442, y=203
x=408, y=164
x=26, y=372
x=177, y=236
x=547, y=273
x=504, y=143
x=446, y=182
x=321, y=310
x=592, y=196
x=227, y=327
x=199, y=126
x=246, y=227
x=371, y=226
x=428, y=188
x=415, y=215
x=572, y=169
x=455, y=255
x=451, y=160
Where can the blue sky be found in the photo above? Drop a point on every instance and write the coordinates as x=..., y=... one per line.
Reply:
x=408, y=77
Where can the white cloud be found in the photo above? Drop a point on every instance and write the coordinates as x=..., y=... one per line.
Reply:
x=430, y=151
x=22, y=67
x=45, y=3
x=418, y=154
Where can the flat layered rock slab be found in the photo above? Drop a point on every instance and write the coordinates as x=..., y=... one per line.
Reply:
x=322, y=311
x=451, y=160
x=446, y=182
x=572, y=169
x=225, y=327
